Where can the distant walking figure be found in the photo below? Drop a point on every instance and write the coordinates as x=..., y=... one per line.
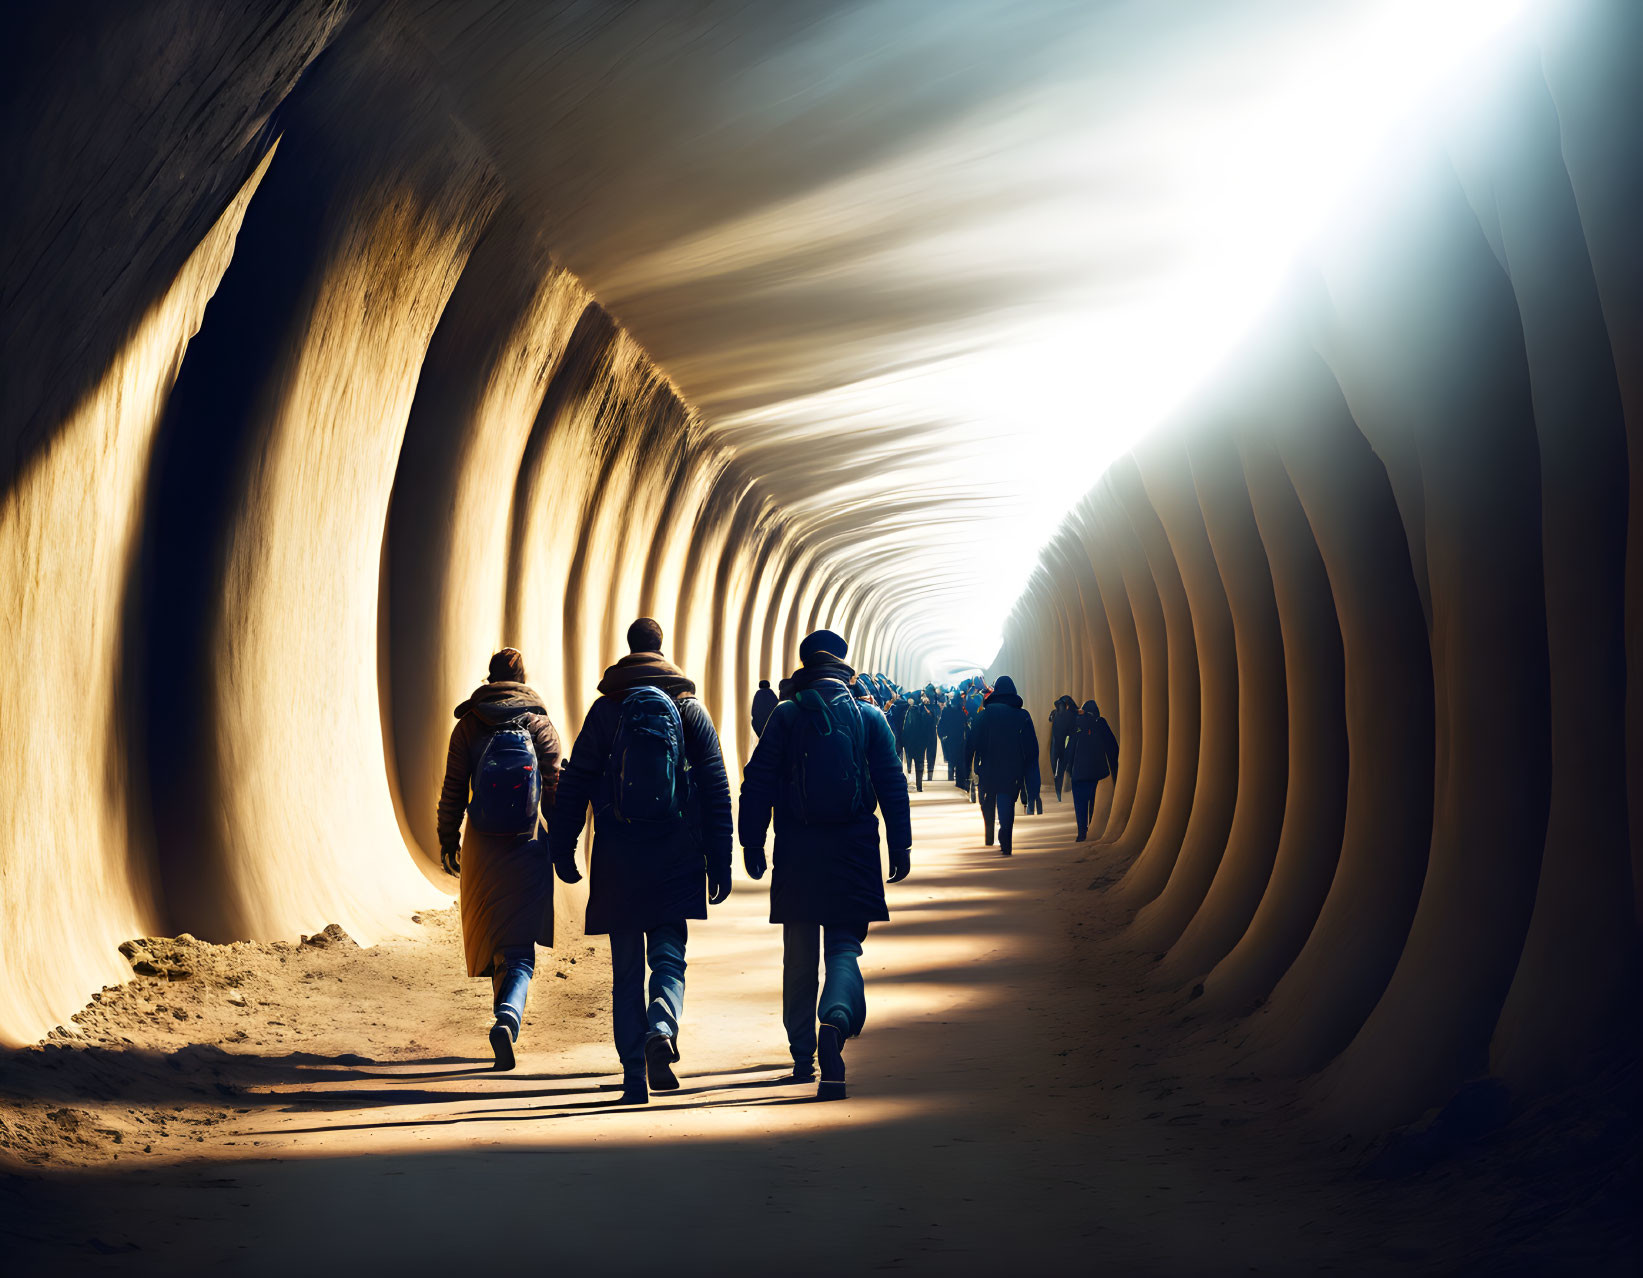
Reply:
x=1093, y=756
x=764, y=701
x=1061, y=730
x=1003, y=749
x=950, y=727
x=918, y=737
x=648, y=761
x=501, y=772
x=824, y=763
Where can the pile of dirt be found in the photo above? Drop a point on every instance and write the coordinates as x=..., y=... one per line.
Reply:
x=203, y=1033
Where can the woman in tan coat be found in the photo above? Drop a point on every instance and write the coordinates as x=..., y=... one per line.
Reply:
x=507, y=882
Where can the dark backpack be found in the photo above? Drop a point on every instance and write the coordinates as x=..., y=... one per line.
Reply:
x=827, y=757
x=507, y=788
x=647, y=759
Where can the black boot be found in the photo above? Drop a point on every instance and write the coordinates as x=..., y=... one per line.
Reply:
x=830, y=1052
x=502, y=1044
x=660, y=1053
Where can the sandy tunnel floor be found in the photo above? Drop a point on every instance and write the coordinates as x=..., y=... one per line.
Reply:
x=1014, y=1099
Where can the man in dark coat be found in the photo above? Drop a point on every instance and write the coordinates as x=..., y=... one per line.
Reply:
x=1061, y=730
x=828, y=884
x=647, y=877
x=918, y=737
x=764, y=701
x=1003, y=749
x=950, y=728
x=1092, y=757
x=507, y=892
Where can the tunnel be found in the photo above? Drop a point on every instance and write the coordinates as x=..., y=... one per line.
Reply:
x=347, y=341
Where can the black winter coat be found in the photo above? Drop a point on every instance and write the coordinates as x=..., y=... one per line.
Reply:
x=918, y=729
x=1094, y=747
x=641, y=877
x=827, y=874
x=1003, y=747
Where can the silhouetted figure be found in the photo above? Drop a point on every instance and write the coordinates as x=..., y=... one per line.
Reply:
x=918, y=737
x=647, y=759
x=502, y=769
x=896, y=714
x=1061, y=730
x=764, y=701
x=824, y=763
x=950, y=729
x=1092, y=757
x=1003, y=750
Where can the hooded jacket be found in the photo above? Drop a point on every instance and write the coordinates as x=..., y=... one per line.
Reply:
x=1061, y=725
x=490, y=706
x=828, y=874
x=641, y=877
x=507, y=890
x=1094, y=748
x=1003, y=746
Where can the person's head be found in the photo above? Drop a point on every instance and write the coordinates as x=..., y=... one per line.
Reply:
x=508, y=666
x=764, y=683
x=645, y=635
x=822, y=645
x=1004, y=686
x=1091, y=709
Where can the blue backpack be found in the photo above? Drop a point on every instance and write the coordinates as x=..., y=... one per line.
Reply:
x=827, y=756
x=647, y=759
x=507, y=788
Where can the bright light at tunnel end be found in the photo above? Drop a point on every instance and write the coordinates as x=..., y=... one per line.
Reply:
x=1321, y=137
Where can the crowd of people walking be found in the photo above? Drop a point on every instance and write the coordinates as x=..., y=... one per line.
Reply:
x=834, y=751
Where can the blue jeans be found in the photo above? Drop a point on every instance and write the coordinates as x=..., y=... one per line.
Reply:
x=663, y=949
x=1084, y=804
x=510, y=982
x=843, y=997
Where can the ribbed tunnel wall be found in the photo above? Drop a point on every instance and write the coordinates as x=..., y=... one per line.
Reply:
x=302, y=419
x=302, y=422
x=1362, y=616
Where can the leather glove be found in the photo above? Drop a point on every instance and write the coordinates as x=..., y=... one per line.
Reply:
x=718, y=885
x=565, y=868
x=901, y=864
x=451, y=859
x=753, y=859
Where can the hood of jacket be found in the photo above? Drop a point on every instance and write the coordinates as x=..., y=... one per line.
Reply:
x=1091, y=709
x=1003, y=691
x=650, y=668
x=495, y=703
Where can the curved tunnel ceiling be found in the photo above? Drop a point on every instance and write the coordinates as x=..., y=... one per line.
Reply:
x=963, y=261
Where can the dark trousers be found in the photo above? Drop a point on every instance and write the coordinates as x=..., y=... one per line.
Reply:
x=930, y=762
x=1059, y=766
x=1000, y=803
x=805, y=947
x=1084, y=804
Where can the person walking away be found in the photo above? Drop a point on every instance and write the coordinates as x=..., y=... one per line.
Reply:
x=1093, y=756
x=764, y=701
x=824, y=764
x=1062, y=719
x=1003, y=750
x=648, y=760
x=896, y=714
x=501, y=772
x=950, y=729
x=918, y=736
